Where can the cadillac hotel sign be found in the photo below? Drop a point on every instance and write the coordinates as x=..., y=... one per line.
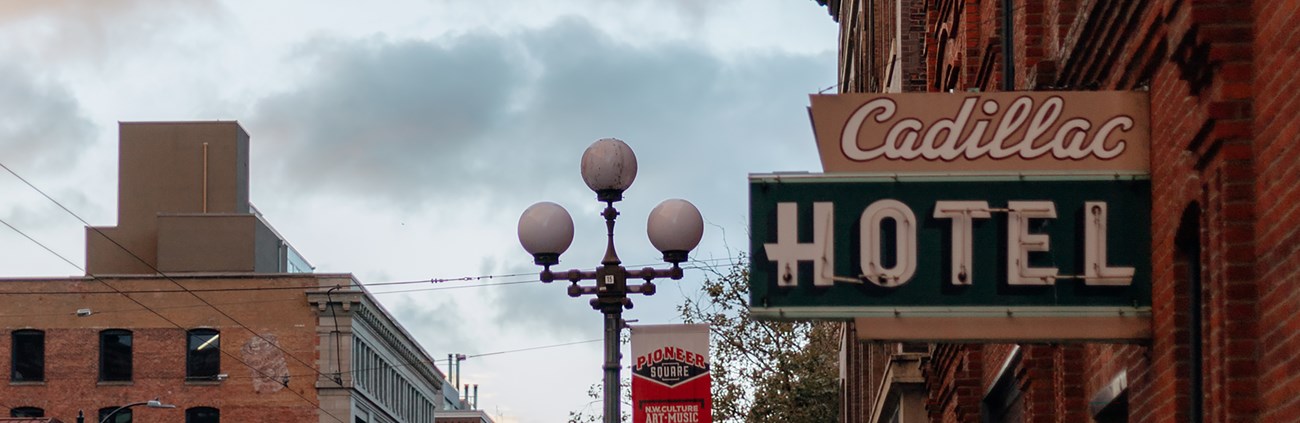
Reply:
x=963, y=217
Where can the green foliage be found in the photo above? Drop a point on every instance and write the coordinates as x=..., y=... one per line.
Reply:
x=764, y=371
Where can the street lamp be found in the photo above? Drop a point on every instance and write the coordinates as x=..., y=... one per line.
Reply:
x=153, y=403
x=546, y=230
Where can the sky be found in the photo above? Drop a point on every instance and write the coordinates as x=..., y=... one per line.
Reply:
x=401, y=140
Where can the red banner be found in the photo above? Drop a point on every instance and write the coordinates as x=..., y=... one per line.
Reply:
x=670, y=374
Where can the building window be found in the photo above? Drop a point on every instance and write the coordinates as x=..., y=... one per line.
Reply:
x=115, y=355
x=1114, y=412
x=1110, y=403
x=28, y=356
x=203, y=354
x=121, y=416
x=1187, y=262
x=1005, y=402
x=26, y=412
x=202, y=415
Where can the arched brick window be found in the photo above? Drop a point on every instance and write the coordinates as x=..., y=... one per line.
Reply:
x=202, y=415
x=26, y=412
x=1187, y=269
x=28, y=356
x=115, y=355
x=202, y=354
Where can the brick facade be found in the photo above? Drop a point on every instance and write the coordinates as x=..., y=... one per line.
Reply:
x=1277, y=240
x=1224, y=190
x=71, y=381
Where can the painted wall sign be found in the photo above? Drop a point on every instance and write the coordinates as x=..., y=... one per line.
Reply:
x=1001, y=131
x=855, y=246
x=670, y=374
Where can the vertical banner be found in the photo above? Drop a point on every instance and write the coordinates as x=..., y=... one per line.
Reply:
x=670, y=374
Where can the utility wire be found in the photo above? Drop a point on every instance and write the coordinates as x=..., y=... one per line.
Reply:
x=147, y=264
x=111, y=311
x=155, y=269
x=209, y=304
x=310, y=288
x=2, y=316
x=33, y=240
x=173, y=323
x=532, y=348
x=262, y=374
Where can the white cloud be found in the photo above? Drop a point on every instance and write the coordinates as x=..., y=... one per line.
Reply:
x=67, y=31
x=401, y=140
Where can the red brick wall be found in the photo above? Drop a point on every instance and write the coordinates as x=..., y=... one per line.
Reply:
x=913, y=45
x=1220, y=74
x=1277, y=247
x=864, y=365
x=953, y=380
x=871, y=28
x=1195, y=60
x=159, y=348
x=856, y=386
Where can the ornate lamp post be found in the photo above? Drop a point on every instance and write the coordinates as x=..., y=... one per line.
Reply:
x=546, y=230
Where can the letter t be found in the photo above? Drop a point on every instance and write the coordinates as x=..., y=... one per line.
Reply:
x=962, y=214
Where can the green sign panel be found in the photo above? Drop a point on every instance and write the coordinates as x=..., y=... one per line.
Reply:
x=845, y=246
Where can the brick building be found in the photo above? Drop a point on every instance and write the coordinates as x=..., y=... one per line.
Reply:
x=193, y=299
x=1225, y=247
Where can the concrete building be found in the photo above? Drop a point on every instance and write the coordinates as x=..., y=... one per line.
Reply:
x=195, y=300
x=464, y=416
x=1225, y=250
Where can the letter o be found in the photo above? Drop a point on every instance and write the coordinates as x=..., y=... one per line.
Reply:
x=905, y=243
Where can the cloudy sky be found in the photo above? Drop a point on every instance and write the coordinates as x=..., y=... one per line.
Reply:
x=401, y=141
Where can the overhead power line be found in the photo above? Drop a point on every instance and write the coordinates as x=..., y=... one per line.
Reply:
x=532, y=348
x=301, y=288
x=206, y=303
x=173, y=281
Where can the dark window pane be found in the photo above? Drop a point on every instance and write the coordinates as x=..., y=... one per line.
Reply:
x=123, y=416
x=202, y=415
x=203, y=354
x=115, y=355
x=27, y=412
x=28, y=356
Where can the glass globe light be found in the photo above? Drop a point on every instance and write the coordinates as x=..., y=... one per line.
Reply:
x=675, y=228
x=545, y=231
x=608, y=168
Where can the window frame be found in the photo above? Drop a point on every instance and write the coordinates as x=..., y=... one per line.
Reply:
x=18, y=412
x=104, y=358
x=1004, y=401
x=192, y=363
x=103, y=413
x=190, y=416
x=1189, y=270
x=14, y=355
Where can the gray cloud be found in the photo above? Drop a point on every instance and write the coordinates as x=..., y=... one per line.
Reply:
x=441, y=324
x=415, y=122
x=387, y=118
x=42, y=125
x=537, y=308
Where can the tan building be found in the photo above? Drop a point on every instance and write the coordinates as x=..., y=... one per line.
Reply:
x=194, y=300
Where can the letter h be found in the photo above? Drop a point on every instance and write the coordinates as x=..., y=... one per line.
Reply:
x=787, y=252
